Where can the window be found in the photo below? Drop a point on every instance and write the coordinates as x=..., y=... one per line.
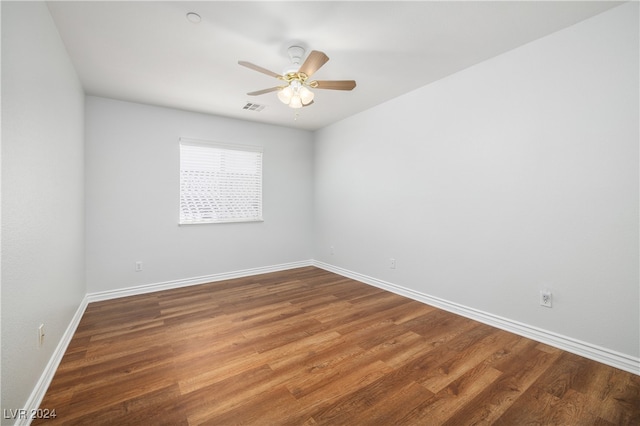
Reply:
x=219, y=183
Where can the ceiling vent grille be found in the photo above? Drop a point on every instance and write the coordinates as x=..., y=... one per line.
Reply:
x=253, y=107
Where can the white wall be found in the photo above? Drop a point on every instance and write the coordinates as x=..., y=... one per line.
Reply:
x=132, y=193
x=518, y=174
x=42, y=195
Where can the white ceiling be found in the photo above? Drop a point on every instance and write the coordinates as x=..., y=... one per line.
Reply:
x=149, y=52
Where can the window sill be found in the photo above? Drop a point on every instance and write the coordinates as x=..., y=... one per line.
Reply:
x=218, y=222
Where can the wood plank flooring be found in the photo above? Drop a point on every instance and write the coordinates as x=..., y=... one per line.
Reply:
x=307, y=347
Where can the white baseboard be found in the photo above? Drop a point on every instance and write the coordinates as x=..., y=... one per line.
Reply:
x=587, y=350
x=167, y=285
x=35, y=399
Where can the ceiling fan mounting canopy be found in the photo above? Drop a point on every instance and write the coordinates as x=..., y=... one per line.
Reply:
x=296, y=92
x=296, y=53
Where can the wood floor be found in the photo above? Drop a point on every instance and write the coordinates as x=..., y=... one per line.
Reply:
x=306, y=347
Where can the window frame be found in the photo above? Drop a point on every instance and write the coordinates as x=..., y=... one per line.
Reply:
x=221, y=147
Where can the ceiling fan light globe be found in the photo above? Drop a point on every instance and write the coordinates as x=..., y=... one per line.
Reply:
x=306, y=95
x=296, y=102
x=285, y=95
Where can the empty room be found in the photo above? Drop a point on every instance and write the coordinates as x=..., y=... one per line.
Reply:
x=339, y=213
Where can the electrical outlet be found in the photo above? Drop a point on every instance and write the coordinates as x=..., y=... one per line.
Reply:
x=40, y=335
x=138, y=266
x=332, y=250
x=392, y=263
x=545, y=298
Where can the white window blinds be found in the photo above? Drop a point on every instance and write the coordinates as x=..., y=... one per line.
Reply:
x=219, y=183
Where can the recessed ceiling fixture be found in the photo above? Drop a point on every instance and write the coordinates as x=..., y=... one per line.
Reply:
x=297, y=91
x=193, y=17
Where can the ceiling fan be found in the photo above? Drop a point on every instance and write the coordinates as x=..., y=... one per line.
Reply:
x=296, y=91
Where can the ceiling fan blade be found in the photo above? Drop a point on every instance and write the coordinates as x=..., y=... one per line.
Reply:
x=259, y=69
x=263, y=91
x=314, y=61
x=336, y=84
x=306, y=105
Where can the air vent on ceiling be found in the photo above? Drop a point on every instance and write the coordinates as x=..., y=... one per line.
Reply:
x=253, y=107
